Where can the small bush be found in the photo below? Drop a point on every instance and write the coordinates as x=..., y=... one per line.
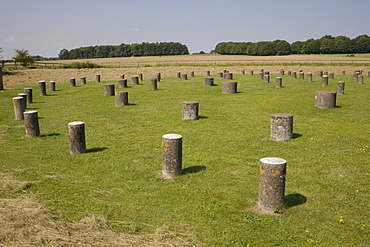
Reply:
x=83, y=65
x=350, y=55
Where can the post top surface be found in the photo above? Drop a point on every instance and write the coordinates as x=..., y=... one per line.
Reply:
x=325, y=92
x=29, y=112
x=41, y=81
x=172, y=136
x=22, y=94
x=76, y=123
x=282, y=114
x=190, y=102
x=17, y=97
x=273, y=161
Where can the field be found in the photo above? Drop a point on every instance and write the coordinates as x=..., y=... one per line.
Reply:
x=113, y=195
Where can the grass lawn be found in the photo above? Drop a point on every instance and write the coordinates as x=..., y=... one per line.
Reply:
x=328, y=175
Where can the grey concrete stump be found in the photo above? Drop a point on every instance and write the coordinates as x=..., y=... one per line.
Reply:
x=331, y=75
x=309, y=77
x=325, y=99
x=266, y=78
x=228, y=76
x=122, y=83
x=260, y=75
x=281, y=126
x=343, y=72
x=154, y=84
x=360, y=79
x=83, y=80
x=221, y=75
x=368, y=73
x=42, y=88
x=31, y=123
x=190, y=110
x=229, y=87
x=325, y=73
x=1, y=79
x=72, y=82
x=325, y=81
x=355, y=76
x=251, y=72
x=208, y=81
x=281, y=72
x=122, y=76
x=243, y=72
x=340, y=87
x=24, y=101
x=52, y=86
x=121, y=98
x=135, y=80
x=159, y=77
x=184, y=76
x=97, y=78
x=76, y=132
x=208, y=73
x=141, y=77
x=171, y=155
x=319, y=73
x=109, y=90
x=18, y=108
x=29, y=97
x=178, y=74
x=289, y=72
x=294, y=74
x=271, y=184
x=301, y=75
x=279, y=82
x=192, y=74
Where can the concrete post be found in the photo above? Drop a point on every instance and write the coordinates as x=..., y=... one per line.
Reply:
x=109, y=90
x=340, y=87
x=31, y=123
x=325, y=99
x=29, y=97
x=77, y=143
x=42, y=88
x=72, y=82
x=171, y=155
x=18, y=108
x=208, y=81
x=190, y=110
x=121, y=98
x=279, y=82
x=229, y=87
x=281, y=127
x=52, y=86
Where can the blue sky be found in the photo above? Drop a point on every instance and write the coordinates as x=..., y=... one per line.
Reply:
x=44, y=27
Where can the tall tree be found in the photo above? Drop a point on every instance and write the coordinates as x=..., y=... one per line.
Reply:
x=23, y=57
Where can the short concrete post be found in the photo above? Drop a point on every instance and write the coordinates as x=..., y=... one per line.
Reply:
x=208, y=73
x=154, y=84
x=77, y=143
x=343, y=72
x=325, y=99
x=281, y=72
x=309, y=77
x=229, y=87
x=319, y=73
x=184, y=76
x=289, y=72
x=360, y=79
x=141, y=77
x=281, y=126
x=325, y=80
x=221, y=75
x=251, y=72
x=178, y=74
x=29, y=97
x=83, y=80
x=243, y=72
x=122, y=83
x=159, y=77
x=135, y=80
x=42, y=88
x=24, y=101
x=72, y=82
x=368, y=73
x=294, y=74
x=279, y=82
x=260, y=75
x=122, y=76
x=1, y=79
x=192, y=74
x=171, y=155
x=109, y=90
x=208, y=81
x=52, y=86
x=331, y=76
x=18, y=108
x=97, y=78
x=325, y=73
x=271, y=184
x=301, y=75
x=266, y=78
x=228, y=76
x=121, y=98
x=190, y=110
x=340, y=87
x=355, y=76
x=31, y=123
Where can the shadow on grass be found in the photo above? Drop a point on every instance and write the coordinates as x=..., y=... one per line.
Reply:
x=193, y=169
x=95, y=150
x=296, y=135
x=52, y=134
x=293, y=200
x=202, y=117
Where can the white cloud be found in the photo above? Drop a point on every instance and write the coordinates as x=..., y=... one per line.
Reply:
x=10, y=39
x=135, y=30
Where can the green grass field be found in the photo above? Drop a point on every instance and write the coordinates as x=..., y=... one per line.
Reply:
x=328, y=176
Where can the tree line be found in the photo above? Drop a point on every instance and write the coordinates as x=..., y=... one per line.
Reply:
x=325, y=45
x=125, y=50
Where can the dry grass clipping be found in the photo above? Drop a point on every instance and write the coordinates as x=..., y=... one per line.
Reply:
x=27, y=222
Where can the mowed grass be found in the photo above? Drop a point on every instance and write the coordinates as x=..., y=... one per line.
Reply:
x=327, y=184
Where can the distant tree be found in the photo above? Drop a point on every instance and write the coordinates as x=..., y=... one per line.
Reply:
x=296, y=47
x=64, y=54
x=1, y=51
x=23, y=57
x=311, y=46
x=282, y=47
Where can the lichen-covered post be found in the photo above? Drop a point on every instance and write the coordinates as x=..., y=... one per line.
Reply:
x=301, y=75
x=281, y=72
x=24, y=101
x=220, y=74
x=122, y=83
x=360, y=79
x=109, y=90
x=76, y=132
x=171, y=155
x=331, y=75
x=271, y=185
x=190, y=110
x=228, y=76
x=192, y=74
x=260, y=75
x=281, y=127
x=184, y=76
x=289, y=72
x=18, y=108
x=121, y=98
x=42, y=88
x=340, y=87
x=243, y=72
x=83, y=80
x=208, y=73
x=178, y=74
x=279, y=82
x=52, y=86
x=266, y=78
x=97, y=78
x=29, y=97
x=325, y=99
x=135, y=80
x=141, y=77
x=309, y=77
x=229, y=87
x=325, y=81
x=251, y=72
x=31, y=123
x=154, y=83
x=294, y=74
x=72, y=82
x=208, y=81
